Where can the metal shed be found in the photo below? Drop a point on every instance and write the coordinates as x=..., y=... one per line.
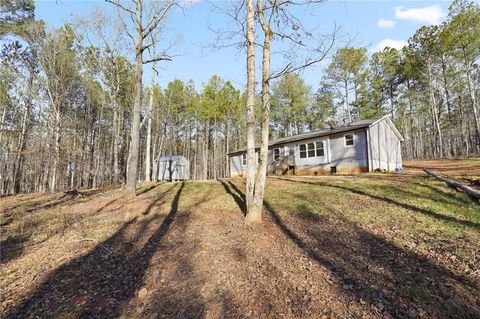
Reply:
x=171, y=168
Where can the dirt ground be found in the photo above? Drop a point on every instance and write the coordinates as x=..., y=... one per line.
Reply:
x=369, y=246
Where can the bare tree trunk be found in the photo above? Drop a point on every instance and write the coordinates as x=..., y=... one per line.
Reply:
x=250, y=106
x=149, y=137
x=53, y=181
x=473, y=96
x=449, y=106
x=2, y=123
x=433, y=105
x=116, y=169
x=214, y=148
x=254, y=214
x=227, y=160
x=197, y=150
x=347, y=105
x=462, y=132
x=205, y=150
x=74, y=162
x=23, y=136
x=133, y=152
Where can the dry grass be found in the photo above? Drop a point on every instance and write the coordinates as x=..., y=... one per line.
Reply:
x=373, y=246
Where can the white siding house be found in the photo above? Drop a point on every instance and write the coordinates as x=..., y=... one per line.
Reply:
x=362, y=146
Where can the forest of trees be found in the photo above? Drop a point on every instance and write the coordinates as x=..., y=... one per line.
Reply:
x=66, y=99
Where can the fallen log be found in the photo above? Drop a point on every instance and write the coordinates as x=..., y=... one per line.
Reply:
x=454, y=184
x=73, y=193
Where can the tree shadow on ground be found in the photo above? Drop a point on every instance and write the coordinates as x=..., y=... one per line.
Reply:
x=427, y=212
x=393, y=280
x=99, y=283
x=149, y=188
x=13, y=246
x=372, y=270
x=237, y=195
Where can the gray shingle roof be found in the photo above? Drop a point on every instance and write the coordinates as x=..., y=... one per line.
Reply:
x=318, y=133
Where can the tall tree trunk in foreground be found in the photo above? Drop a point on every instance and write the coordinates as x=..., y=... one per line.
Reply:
x=135, y=132
x=144, y=29
x=250, y=106
x=254, y=214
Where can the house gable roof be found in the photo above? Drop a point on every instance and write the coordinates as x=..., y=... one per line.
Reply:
x=325, y=132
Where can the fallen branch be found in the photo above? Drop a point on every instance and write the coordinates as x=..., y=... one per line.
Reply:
x=454, y=184
x=73, y=193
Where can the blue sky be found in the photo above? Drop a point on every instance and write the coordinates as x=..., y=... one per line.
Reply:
x=372, y=24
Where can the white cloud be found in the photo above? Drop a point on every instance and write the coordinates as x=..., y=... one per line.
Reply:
x=385, y=24
x=430, y=15
x=396, y=44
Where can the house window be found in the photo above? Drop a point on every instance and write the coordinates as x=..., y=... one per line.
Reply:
x=276, y=154
x=349, y=140
x=244, y=159
x=303, y=151
x=312, y=150
x=320, y=150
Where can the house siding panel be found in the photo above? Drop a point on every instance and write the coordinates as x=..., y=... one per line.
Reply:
x=384, y=152
x=385, y=147
x=348, y=160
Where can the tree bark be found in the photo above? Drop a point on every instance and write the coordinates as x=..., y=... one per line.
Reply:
x=116, y=169
x=134, y=148
x=347, y=105
x=449, y=106
x=250, y=105
x=467, y=189
x=254, y=214
x=23, y=136
x=53, y=181
x=473, y=96
x=433, y=105
x=148, y=151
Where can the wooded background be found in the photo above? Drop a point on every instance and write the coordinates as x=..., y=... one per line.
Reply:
x=66, y=100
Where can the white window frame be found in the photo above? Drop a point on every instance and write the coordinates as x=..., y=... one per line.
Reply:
x=275, y=157
x=345, y=140
x=319, y=148
x=244, y=159
x=307, y=149
x=300, y=151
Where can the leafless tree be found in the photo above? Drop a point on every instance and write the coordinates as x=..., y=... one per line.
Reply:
x=143, y=18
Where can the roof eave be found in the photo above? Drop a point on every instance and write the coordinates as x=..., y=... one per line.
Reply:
x=392, y=126
x=355, y=128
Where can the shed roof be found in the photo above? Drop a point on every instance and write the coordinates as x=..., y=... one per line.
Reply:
x=319, y=133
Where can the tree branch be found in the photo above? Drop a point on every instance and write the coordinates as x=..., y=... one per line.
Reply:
x=119, y=5
x=159, y=16
x=158, y=58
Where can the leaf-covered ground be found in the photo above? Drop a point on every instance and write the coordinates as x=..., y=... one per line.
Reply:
x=367, y=246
